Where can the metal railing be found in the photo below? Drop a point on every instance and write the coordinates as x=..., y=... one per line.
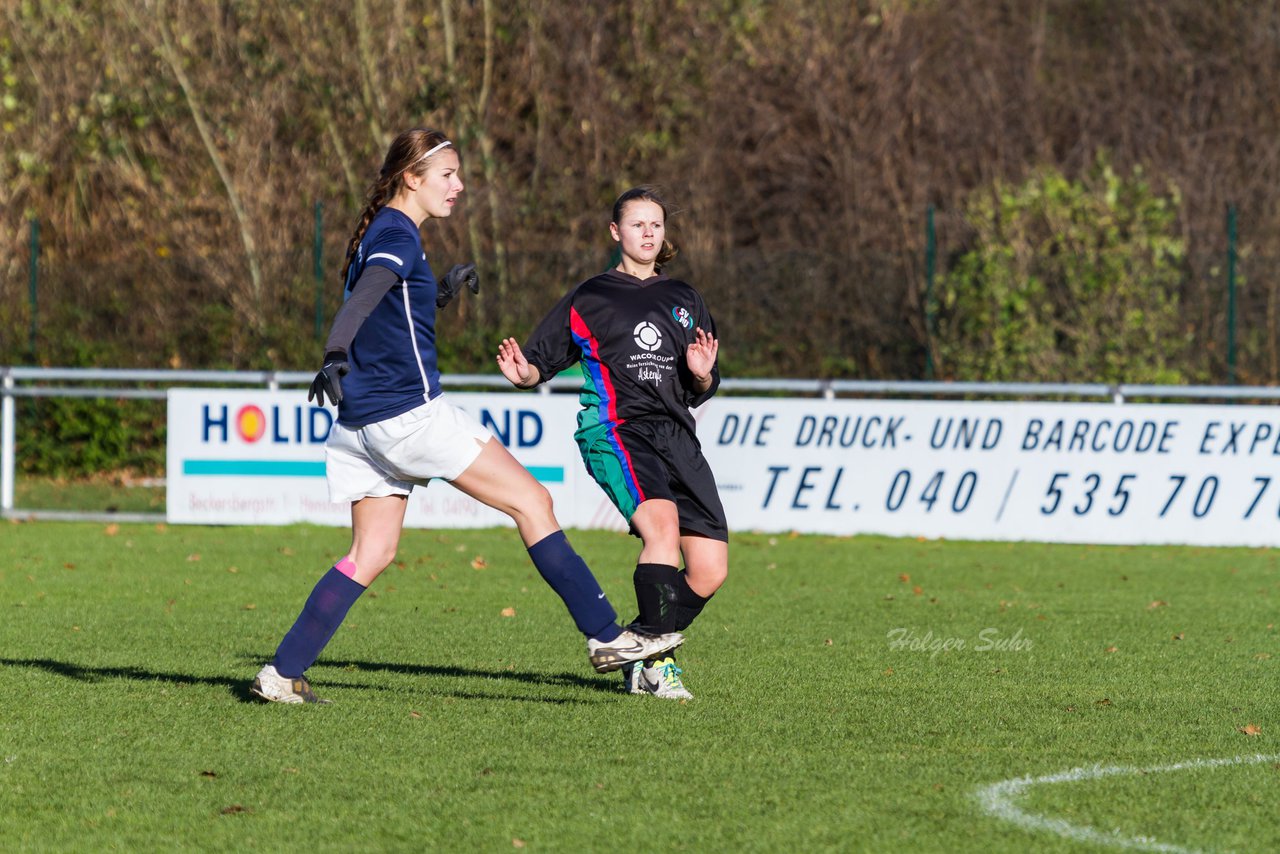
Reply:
x=16, y=382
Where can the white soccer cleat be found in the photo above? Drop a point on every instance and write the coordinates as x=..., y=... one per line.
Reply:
x=274, y=688
x=660, y=680
x=631, y=645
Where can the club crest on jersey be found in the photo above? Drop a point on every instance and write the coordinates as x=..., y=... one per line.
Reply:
x=647, y=336
x=682, y=316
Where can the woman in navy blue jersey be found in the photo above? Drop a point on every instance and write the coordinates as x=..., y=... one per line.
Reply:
x=395, y=429
x=647, y=349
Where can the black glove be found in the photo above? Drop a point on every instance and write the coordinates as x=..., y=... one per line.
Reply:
x=330, y=378
x=453, y=281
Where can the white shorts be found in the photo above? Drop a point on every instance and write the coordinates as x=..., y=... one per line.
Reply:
x=390, y=457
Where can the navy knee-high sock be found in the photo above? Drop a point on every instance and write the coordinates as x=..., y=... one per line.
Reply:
x=325, y=610
x=568, y=575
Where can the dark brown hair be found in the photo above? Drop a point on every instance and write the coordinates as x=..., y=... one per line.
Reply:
x=647, y=194
x=404, y=155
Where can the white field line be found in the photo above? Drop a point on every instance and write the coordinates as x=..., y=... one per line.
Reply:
x=999, y=800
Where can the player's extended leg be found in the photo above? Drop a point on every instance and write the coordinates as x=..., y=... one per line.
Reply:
x=658, y=584
x=497, y=479
x=658, y=524
x=375, y=534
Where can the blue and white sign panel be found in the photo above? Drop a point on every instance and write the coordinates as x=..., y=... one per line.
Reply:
x=257, y=457
x=1054, y=472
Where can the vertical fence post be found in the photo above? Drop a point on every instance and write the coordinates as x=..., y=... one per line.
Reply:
x=7, y=416
x=1231, y=295
x=317, y=266
x=930, y=256
x=33, y=271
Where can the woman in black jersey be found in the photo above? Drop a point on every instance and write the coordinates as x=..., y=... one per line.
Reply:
x=396, y=429
x=646, y=346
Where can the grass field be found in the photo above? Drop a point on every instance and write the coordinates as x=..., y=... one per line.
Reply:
x=105, y=494
x=858, y=694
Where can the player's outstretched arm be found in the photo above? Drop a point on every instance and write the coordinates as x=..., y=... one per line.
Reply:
x=514, y=366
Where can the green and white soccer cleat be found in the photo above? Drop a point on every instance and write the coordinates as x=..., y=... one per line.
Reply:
x=631, y=677
x=662, y=679
x=274, y=688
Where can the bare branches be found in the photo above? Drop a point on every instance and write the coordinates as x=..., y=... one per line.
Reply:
x=184, y=148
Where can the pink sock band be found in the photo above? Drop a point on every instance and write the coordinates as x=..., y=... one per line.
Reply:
x=347, y=567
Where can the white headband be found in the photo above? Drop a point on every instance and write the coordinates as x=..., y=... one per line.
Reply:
x=431, y=151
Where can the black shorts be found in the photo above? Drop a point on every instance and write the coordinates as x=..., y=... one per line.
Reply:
x=656, y=458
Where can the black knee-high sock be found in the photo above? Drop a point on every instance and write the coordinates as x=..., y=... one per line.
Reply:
x=656, y=596
x=687, y=605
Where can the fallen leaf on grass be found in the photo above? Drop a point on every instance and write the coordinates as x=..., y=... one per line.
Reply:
x=1178, y=636
x=249, y=606
x=209, y=774
x=508, y=612
x=192, y=558
x=1251, y=729
x=1112, y=649
x=917, y=590
x=111, y=530
x=478, y=562
x=233, y=809
x=1262, y=656
x=517, y=842
x=828, y=642
x=1158, y=603
x=1105, y=701
x=904, y=578
x=417, y=716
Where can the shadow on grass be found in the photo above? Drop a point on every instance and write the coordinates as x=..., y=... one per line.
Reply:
x=238, y=687
x=570, y=680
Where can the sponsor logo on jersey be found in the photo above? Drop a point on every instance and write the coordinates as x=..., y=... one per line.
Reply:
x=647, y=336
x=682, y=316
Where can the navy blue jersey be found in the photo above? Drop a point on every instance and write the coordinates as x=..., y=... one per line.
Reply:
x=629, y=338
x=393, y=355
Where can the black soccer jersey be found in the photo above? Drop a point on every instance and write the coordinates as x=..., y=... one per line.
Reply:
x=630, y=338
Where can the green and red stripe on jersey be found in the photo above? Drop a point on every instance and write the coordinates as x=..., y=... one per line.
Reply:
x=599, y=385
